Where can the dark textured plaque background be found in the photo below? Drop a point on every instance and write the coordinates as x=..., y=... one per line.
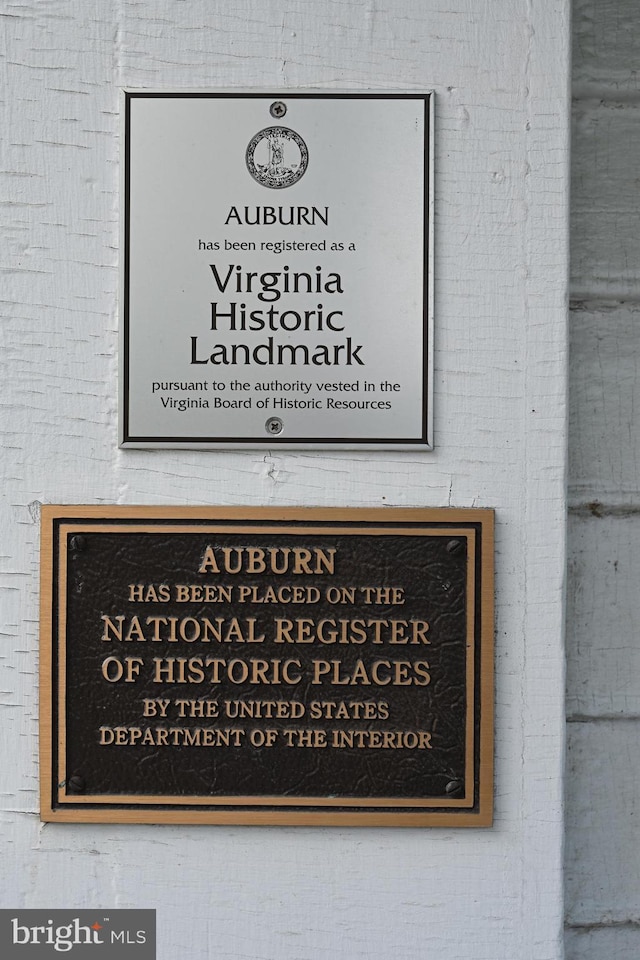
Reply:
x=101, y=565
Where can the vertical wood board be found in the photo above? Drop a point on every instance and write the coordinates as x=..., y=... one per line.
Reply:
x=500, y=74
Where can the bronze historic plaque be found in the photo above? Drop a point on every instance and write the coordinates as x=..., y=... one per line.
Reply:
x=302, y=666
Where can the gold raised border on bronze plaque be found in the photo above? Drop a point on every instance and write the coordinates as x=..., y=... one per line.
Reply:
x=355, y=646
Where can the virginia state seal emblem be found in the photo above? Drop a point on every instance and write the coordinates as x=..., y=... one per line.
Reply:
x=277, y=157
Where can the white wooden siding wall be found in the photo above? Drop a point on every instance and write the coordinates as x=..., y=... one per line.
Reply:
x=603, y=706
x=500, y=72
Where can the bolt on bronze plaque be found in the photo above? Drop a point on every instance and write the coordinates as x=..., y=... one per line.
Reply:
x=267, y=666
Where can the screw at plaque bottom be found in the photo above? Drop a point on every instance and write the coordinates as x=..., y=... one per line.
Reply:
x=274, y=426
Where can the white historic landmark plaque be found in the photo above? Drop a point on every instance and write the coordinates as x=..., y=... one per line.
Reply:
x=276, y=275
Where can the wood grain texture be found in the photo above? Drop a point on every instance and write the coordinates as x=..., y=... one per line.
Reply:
x=605, y=220
x=603, y=868
x=604, y=453
x=607, y=942
x=500, y=73
x=606, y=47
x=603, y=620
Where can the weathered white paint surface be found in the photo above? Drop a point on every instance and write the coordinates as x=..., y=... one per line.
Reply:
x=499, y=69
x=603, y=836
